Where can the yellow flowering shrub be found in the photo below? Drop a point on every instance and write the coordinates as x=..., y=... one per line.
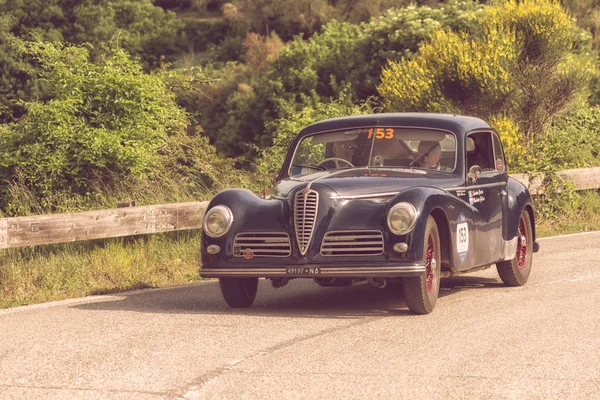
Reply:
x=450, y=72
x=539, y=24
x=517, y=68
x=512, y=139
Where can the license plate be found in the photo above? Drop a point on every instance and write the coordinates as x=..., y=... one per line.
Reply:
x=303, y=271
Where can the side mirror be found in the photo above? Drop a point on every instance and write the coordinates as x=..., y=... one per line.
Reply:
x=474, y=173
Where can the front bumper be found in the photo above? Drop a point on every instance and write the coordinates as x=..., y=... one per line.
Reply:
x=315, y=271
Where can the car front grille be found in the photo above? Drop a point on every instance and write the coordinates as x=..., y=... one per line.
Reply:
x=261, y=244
x=305, y=214
x=352, y=243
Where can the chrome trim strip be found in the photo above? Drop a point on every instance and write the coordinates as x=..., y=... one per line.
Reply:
x=390, y=194
x=363, y=196
x=485, y=185
x=257, y=245
x=387, y=271
x=341, y=243
x=509, y=248
x=277, y=239
x=350, y=237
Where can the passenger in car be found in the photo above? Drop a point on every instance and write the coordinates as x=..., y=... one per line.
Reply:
x=433, y=156
x=390, y=153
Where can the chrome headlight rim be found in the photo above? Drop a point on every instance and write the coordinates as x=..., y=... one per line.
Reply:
x=412, y=211
x=228, y=217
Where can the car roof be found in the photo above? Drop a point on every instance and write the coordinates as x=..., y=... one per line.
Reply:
x=457, y=124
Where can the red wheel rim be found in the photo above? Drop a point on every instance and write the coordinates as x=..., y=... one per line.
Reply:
x=522, y=243
x=429, y=260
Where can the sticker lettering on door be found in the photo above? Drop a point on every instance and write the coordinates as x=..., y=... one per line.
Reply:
x=462, y=237
x=476, y=196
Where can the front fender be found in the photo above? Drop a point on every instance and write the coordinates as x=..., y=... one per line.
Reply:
x=425, y=200
x=448, y=211
x=250, y=214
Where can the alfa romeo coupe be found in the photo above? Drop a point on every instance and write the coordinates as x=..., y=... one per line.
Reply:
x=403, y=198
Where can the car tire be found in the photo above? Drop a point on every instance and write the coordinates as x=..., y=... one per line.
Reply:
x=239, y=292
x=421, y=293
x=515, y=272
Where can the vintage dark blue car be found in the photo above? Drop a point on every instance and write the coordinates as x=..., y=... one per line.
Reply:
x=402, y=197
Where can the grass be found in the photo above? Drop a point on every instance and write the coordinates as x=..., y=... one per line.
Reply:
x=55, y=272
x=584, y=216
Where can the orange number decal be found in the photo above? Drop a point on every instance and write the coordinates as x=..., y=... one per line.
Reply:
x=381, y=133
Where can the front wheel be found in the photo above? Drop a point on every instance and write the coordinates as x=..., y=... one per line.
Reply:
x=239, y=292
x=515, y=272
x=421, y=293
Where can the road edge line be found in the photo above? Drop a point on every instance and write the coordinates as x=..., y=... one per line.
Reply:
x=568, y=235
x=94, y=298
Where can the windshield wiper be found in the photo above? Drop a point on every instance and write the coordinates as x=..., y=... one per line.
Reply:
x=317, y=167
x=418, y=160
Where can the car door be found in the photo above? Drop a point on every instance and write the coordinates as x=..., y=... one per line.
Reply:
x=486, y=191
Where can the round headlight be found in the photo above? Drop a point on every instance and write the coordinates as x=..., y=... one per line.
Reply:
x=218, y=221
x=401, y=218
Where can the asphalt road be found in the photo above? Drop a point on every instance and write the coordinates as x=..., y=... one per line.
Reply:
x=483, y=340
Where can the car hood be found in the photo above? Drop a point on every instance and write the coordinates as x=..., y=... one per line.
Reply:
x=366, y=181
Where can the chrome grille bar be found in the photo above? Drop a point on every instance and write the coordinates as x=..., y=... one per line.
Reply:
x=352, y=243
x=305, y=213
x=262, y=244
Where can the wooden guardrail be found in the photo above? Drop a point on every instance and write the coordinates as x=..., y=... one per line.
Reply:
x=582, y=178
x=100, y=224
x=118, y=222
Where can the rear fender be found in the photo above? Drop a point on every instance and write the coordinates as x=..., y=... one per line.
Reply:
x=518, y=200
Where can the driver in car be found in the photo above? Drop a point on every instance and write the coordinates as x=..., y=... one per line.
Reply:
x=343, y=152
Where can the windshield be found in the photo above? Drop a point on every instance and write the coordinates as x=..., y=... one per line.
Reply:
x=375, y=147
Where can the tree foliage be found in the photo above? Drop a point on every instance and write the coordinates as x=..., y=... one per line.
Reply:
x=342, y=57
x=141, y=28
x=301, y=17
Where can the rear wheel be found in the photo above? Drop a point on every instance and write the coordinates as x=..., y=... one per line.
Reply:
x=515, y=272
x=239, y=292
x=421, y=293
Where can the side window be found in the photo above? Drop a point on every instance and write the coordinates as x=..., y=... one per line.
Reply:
x=498, y=155
x=482, y=153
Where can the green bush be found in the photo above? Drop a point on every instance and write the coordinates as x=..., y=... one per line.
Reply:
x=106, y=122
x=109, y=132
x=572, y=142
x=144, y=30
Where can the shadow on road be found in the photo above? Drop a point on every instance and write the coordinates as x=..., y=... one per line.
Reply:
x=300, y=298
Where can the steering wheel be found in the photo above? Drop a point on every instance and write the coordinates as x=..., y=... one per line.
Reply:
x=336, y=161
